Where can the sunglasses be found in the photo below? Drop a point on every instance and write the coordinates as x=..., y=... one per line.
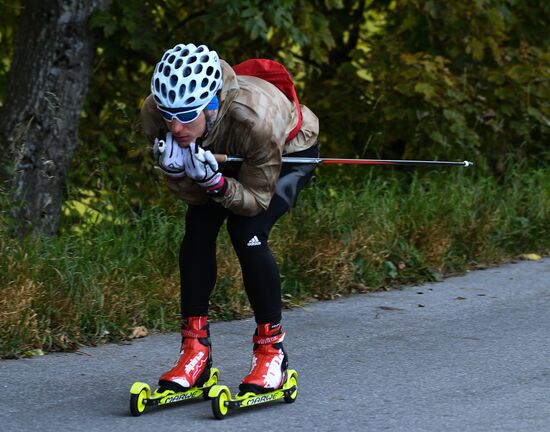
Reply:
x=182, y=116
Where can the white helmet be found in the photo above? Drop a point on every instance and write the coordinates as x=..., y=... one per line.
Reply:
x=186, y=78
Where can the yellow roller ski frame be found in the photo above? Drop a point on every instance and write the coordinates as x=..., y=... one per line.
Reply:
x=222, y=401
x=141, y=398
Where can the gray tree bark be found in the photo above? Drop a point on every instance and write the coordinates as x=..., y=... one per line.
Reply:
x=53, y=57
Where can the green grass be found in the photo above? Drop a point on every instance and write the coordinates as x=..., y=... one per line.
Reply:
x=354, y=230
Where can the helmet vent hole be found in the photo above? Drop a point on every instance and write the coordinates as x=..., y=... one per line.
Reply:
x=204, y=59
x=204, y=95
x=198, y=69
x=185, y=52
x=209, y=70
x=171, y=59
x=213, y=86
x=192, y=85
x=178, y=63
x=217, y=75
x=173, y=80
x=157, y=85
x=172, y=96
x=200, y=49
x=163, y=89
x=204, y=82
x=191, y=59
x=166, y=70
x=187, y=71
x=181, y=91
x=190, y=100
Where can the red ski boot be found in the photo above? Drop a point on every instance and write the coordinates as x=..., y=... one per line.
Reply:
x=269, y=361
x=193, y=367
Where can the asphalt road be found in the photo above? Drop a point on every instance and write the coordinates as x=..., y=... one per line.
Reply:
x=467, y=354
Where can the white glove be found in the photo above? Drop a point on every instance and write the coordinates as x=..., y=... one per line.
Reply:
x=169, y=156
x=201, y=166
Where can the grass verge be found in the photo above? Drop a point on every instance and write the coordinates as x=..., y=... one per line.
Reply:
x=352, y=231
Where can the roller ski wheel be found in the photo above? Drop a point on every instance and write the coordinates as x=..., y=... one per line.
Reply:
x=222, y=401
x=142, y=399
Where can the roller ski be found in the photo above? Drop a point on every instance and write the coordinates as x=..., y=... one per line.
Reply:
x=222, y=401
x=269, y=378
x=141, y=398
x=191, y=377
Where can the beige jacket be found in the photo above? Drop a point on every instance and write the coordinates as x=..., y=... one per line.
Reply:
x=253, y=121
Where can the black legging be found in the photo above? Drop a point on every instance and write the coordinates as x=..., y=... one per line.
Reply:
x=249, y=236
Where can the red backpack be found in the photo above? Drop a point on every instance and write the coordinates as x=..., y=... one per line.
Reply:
x=276, y=74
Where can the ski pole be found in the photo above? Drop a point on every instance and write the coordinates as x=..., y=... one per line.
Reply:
x=221, y=158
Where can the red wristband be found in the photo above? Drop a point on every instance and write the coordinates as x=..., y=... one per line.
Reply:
x=219, y=188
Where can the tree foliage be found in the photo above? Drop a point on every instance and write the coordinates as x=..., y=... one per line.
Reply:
x=440, y=80
x=464, y=78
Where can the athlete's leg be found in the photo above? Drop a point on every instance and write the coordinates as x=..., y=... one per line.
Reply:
x=198, y=268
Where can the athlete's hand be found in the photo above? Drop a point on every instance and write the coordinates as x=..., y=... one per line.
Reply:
x=169, y=156
x=201, y=166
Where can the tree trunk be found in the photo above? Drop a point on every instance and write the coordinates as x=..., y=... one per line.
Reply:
x=53, y=56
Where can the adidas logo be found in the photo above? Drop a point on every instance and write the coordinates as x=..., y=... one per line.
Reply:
x=254, y=241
